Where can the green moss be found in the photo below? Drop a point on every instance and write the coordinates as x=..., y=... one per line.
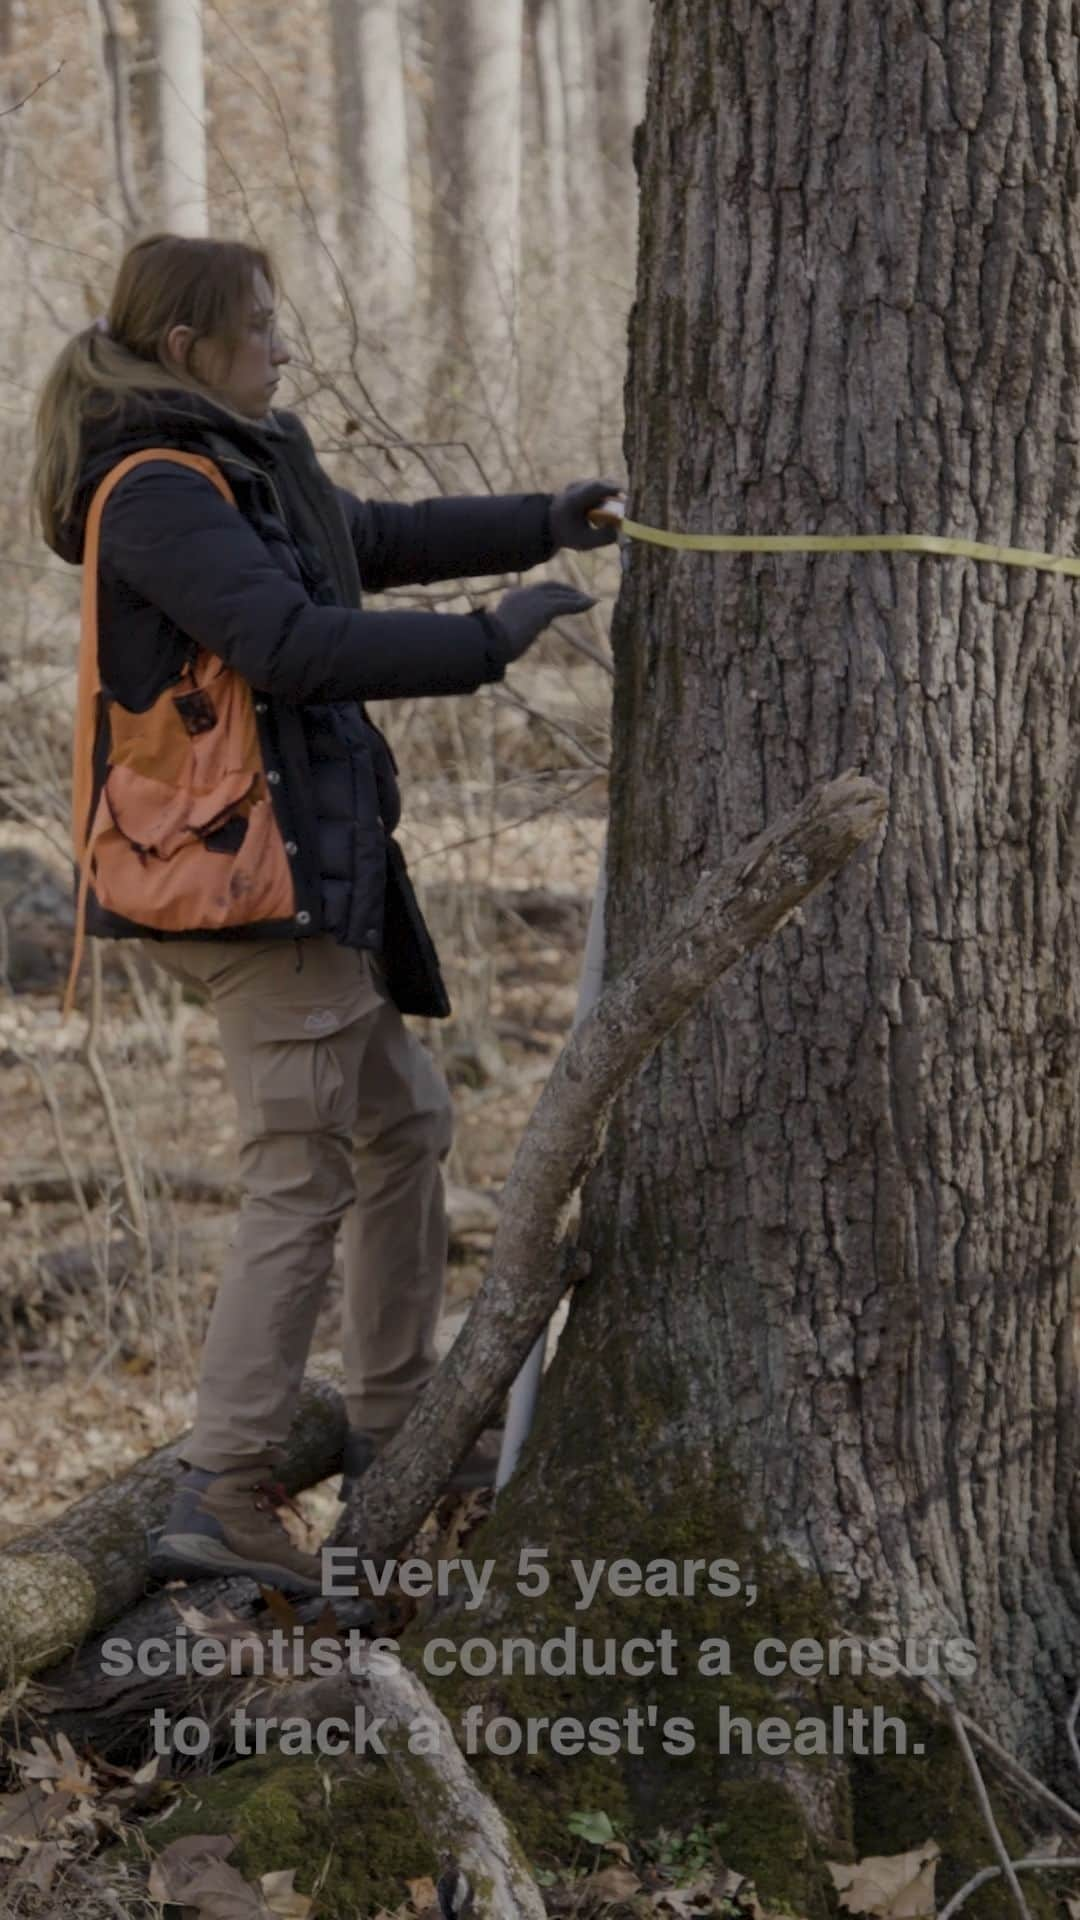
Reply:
x=783, y=1817
x=357, y=1828
x=642, y=1790
x=898, y=1802
x=765, y=1834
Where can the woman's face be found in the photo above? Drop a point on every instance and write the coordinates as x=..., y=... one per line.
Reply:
x=247, y=385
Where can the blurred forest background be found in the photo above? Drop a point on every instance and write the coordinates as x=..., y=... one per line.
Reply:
x=448, y=190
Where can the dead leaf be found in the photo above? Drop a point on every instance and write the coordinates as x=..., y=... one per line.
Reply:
x=228, y=1630
x=281, y=1610
x=620, y=1850
x=223, y=1894
x=894, y=1886
x=281, y=1896
x=61, y=1771
x=695, y=1900
x=38, y=1869
x=612, y=1883
x=27, y=1817
x=182, y=1861
x=422, y=1894
x=216, y=1626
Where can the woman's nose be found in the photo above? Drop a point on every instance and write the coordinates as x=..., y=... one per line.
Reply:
x=279, y=352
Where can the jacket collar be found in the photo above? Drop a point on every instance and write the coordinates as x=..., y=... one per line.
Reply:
x=164, y=417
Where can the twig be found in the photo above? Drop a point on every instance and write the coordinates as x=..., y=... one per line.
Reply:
x=1020, y=1775
x=945, y=1699
x=1008, y=1762
x=505, y=696
x=990, y=1873
x=450, y=846
x=136, y=1204
x=48, y=1094
x=14, y=108
x=149, y=1013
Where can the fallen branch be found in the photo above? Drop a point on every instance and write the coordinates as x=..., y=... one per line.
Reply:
x=443, y=1791
x=1007, y=1866
x=470, y=1211
x=415, y=1740
x=1055, y=1861
x=728, y=914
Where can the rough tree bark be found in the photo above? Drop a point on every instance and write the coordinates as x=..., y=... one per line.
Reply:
x=833, y=1234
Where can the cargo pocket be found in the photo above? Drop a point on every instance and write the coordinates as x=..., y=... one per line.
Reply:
x=305, y=1065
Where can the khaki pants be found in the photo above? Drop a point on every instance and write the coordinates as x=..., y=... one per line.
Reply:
x=338, y=1103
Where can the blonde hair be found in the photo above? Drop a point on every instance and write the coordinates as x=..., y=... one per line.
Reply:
x=166, y=280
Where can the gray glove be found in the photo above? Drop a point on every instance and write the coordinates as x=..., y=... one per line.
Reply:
x=524, y=613
x=570, y=525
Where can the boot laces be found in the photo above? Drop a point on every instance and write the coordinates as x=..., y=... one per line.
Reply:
x=270, y=1496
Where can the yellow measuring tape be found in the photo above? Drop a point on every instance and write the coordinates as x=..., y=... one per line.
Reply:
x=825, y=543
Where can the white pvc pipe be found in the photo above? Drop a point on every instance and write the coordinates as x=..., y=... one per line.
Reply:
x=523, y=1394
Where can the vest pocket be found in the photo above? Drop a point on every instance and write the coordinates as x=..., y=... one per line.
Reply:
x=179, y=861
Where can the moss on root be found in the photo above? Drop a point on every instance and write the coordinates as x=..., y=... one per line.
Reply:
x=349, y=1821
x=781, y=1816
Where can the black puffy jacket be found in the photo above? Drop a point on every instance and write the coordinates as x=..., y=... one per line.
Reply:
x=274, y=590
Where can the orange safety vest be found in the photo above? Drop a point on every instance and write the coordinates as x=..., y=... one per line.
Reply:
x=174, y=775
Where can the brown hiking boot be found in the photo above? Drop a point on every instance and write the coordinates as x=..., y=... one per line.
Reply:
x=229, y=1523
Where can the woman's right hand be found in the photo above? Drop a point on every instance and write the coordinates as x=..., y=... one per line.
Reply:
x=523, y=613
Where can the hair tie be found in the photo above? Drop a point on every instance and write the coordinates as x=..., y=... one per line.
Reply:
x=101, y=325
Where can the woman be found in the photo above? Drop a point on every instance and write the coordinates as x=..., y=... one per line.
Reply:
x=234, y=808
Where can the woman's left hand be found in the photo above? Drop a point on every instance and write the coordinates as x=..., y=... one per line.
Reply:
x=570, y=524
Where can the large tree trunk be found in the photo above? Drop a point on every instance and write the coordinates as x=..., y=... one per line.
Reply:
x=833, y=1235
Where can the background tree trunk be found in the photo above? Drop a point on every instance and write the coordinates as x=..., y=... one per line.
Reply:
x=116, y=121
x=832, y=1302
x=376, y=203
x=476, y=237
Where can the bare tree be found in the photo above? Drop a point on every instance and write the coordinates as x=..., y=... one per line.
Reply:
x=115, y=75
x=170, y=91
x=376, y=214
x=476, y=171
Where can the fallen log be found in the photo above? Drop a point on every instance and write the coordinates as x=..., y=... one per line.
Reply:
x=90, y=1565
x=97, y=1704
x=470, y=1212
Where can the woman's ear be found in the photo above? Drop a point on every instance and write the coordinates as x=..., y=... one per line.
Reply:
x=177, y=342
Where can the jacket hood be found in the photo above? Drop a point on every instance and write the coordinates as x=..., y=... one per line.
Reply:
x=169, y=418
